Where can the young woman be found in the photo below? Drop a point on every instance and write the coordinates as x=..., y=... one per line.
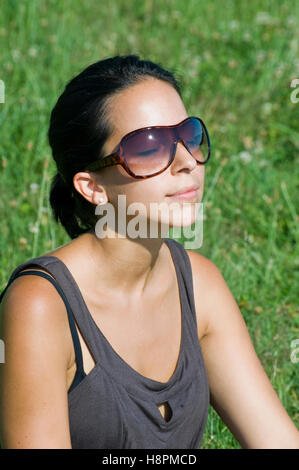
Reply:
x=122, y=342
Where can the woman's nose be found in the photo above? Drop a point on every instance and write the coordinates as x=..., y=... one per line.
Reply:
x=182, y=157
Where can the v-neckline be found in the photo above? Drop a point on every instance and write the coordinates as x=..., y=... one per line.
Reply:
x=130, y=369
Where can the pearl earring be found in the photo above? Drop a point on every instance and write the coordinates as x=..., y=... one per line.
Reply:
x=101, y=199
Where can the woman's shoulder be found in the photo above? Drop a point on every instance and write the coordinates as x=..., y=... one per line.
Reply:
x=33, y=315
x=30, y=297
x=32, y=287
x=33, y=298
x=32, y=301
x=203, y=266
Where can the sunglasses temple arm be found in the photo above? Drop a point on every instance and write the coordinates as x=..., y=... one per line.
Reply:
x=110, y=160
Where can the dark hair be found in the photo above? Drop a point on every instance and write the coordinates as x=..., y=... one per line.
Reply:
x=79, y=127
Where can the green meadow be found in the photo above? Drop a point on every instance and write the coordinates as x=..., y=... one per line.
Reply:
x=235, y=61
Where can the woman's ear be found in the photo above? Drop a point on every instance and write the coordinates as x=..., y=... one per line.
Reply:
x=89, y=188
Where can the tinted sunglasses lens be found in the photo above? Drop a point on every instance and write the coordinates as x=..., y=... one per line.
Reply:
x=194, y=135
x=148, y=151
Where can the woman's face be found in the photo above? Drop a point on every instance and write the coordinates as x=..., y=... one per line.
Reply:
x=148, y=103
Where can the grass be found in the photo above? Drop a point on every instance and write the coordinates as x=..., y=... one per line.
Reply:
x=236, y=65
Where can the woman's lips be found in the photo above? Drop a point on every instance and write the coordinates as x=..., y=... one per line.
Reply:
x=187, y=195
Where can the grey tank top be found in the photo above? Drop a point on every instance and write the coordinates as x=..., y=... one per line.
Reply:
x=114, y=406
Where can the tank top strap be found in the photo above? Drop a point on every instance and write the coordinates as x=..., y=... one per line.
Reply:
x=71, y=293
x=80, y=374
x=184, y=271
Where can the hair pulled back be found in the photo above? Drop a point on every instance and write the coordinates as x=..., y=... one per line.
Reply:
x=79, y=127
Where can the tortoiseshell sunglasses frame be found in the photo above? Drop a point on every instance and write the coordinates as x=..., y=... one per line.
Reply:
x=116, y=158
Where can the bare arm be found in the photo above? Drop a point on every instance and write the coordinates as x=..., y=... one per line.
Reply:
x=33, y=389
x=241, y=391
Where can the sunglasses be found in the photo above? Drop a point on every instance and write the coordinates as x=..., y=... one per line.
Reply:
x=149, y=151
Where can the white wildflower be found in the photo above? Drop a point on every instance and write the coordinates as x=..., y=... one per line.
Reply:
x=234, y=25
x=261, y=55
x=267, y=108
x=245, y=156
x=33, y=228
x=263, y=17
x=34, y=187
x=263, y=163
x=32, y=51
